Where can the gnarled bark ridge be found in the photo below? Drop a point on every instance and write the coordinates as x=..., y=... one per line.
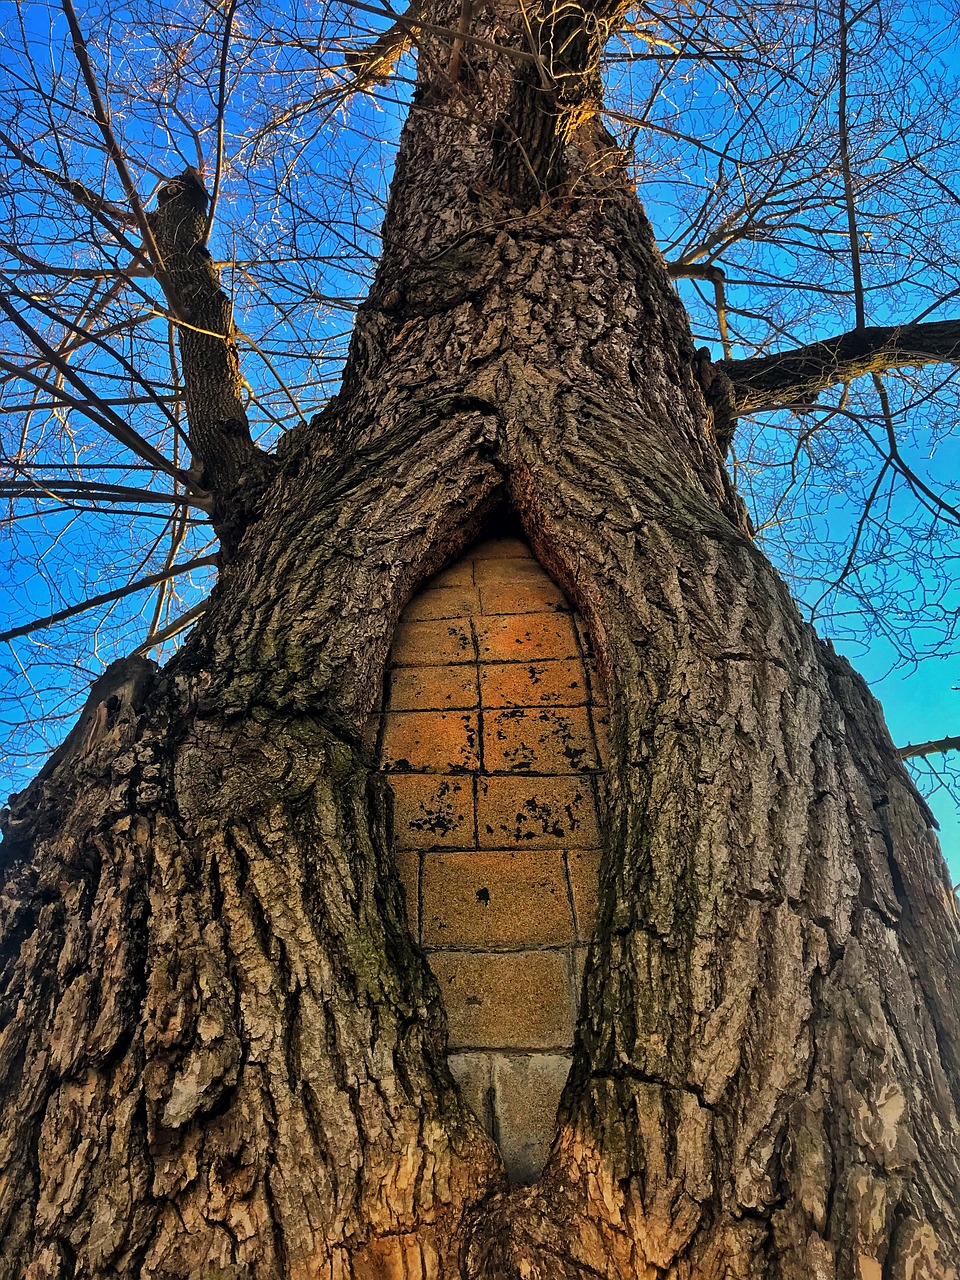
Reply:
x=222, y=1055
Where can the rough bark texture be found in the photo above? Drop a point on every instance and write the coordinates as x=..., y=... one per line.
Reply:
x=222, y=1055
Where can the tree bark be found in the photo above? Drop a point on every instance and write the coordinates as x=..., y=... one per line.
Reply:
x=222, y=1055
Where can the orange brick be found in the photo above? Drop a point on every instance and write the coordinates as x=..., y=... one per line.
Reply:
x=433, y=688
x=536, y=813
x=534, y=597
x=443, y=602
x=541, y=740
x=527, y=572
x=503, y=899
x=423, y=644
x=532, y=684
x=516, y=1000
x=432, y=812
x=525, y=637
x=584, y=867
x=430, y=741
x=501, y=548
x=408, y=864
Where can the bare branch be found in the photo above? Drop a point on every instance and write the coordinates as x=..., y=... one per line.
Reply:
x=717, y=277
x=106, y=597
x=929, y=748
x=87, y=402
x=114, y=149
x=156, y=638
x=221, y=108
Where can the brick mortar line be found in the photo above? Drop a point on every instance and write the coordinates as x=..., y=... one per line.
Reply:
x=460, y=772
x=512, y=1051
x=507, y=950
x=570, y=898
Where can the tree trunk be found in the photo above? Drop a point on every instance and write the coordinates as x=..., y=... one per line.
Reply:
x=222, y=1053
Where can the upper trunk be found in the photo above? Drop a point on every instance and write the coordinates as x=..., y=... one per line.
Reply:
x=223, y=1054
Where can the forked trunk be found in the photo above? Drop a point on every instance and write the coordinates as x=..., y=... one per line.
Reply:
x=222, y=1053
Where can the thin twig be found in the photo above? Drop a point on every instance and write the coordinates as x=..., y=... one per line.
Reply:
x=114, y=151
x=221, y=109
x=103, y=415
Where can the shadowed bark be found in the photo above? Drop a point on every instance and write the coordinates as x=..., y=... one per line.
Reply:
x=221, y=1053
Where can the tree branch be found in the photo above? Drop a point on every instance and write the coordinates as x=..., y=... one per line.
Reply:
x=174, y=628
x=218, y=430
x=107, y=597
x=114, y=150
x=764, y=382
x=88, y=403
x=929, y=748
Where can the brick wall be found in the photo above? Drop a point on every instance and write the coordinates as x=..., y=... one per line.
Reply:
x=493, y=733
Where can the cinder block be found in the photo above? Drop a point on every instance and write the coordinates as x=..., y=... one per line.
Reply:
x=506, y=898
x=584, y=866
x=424, y=644
x=433, y=688
x=472, y=1072
x=526, y=1091
x=558, y=683
x=541, y=740
x=509, y=1000
x=432, y=812
x=455, y=575
x=431, y=741
x=536, y=813
x=516, y=571
x=526, y=637
x=497, y=839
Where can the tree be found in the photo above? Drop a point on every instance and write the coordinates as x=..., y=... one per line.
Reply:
x=222, y=1053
